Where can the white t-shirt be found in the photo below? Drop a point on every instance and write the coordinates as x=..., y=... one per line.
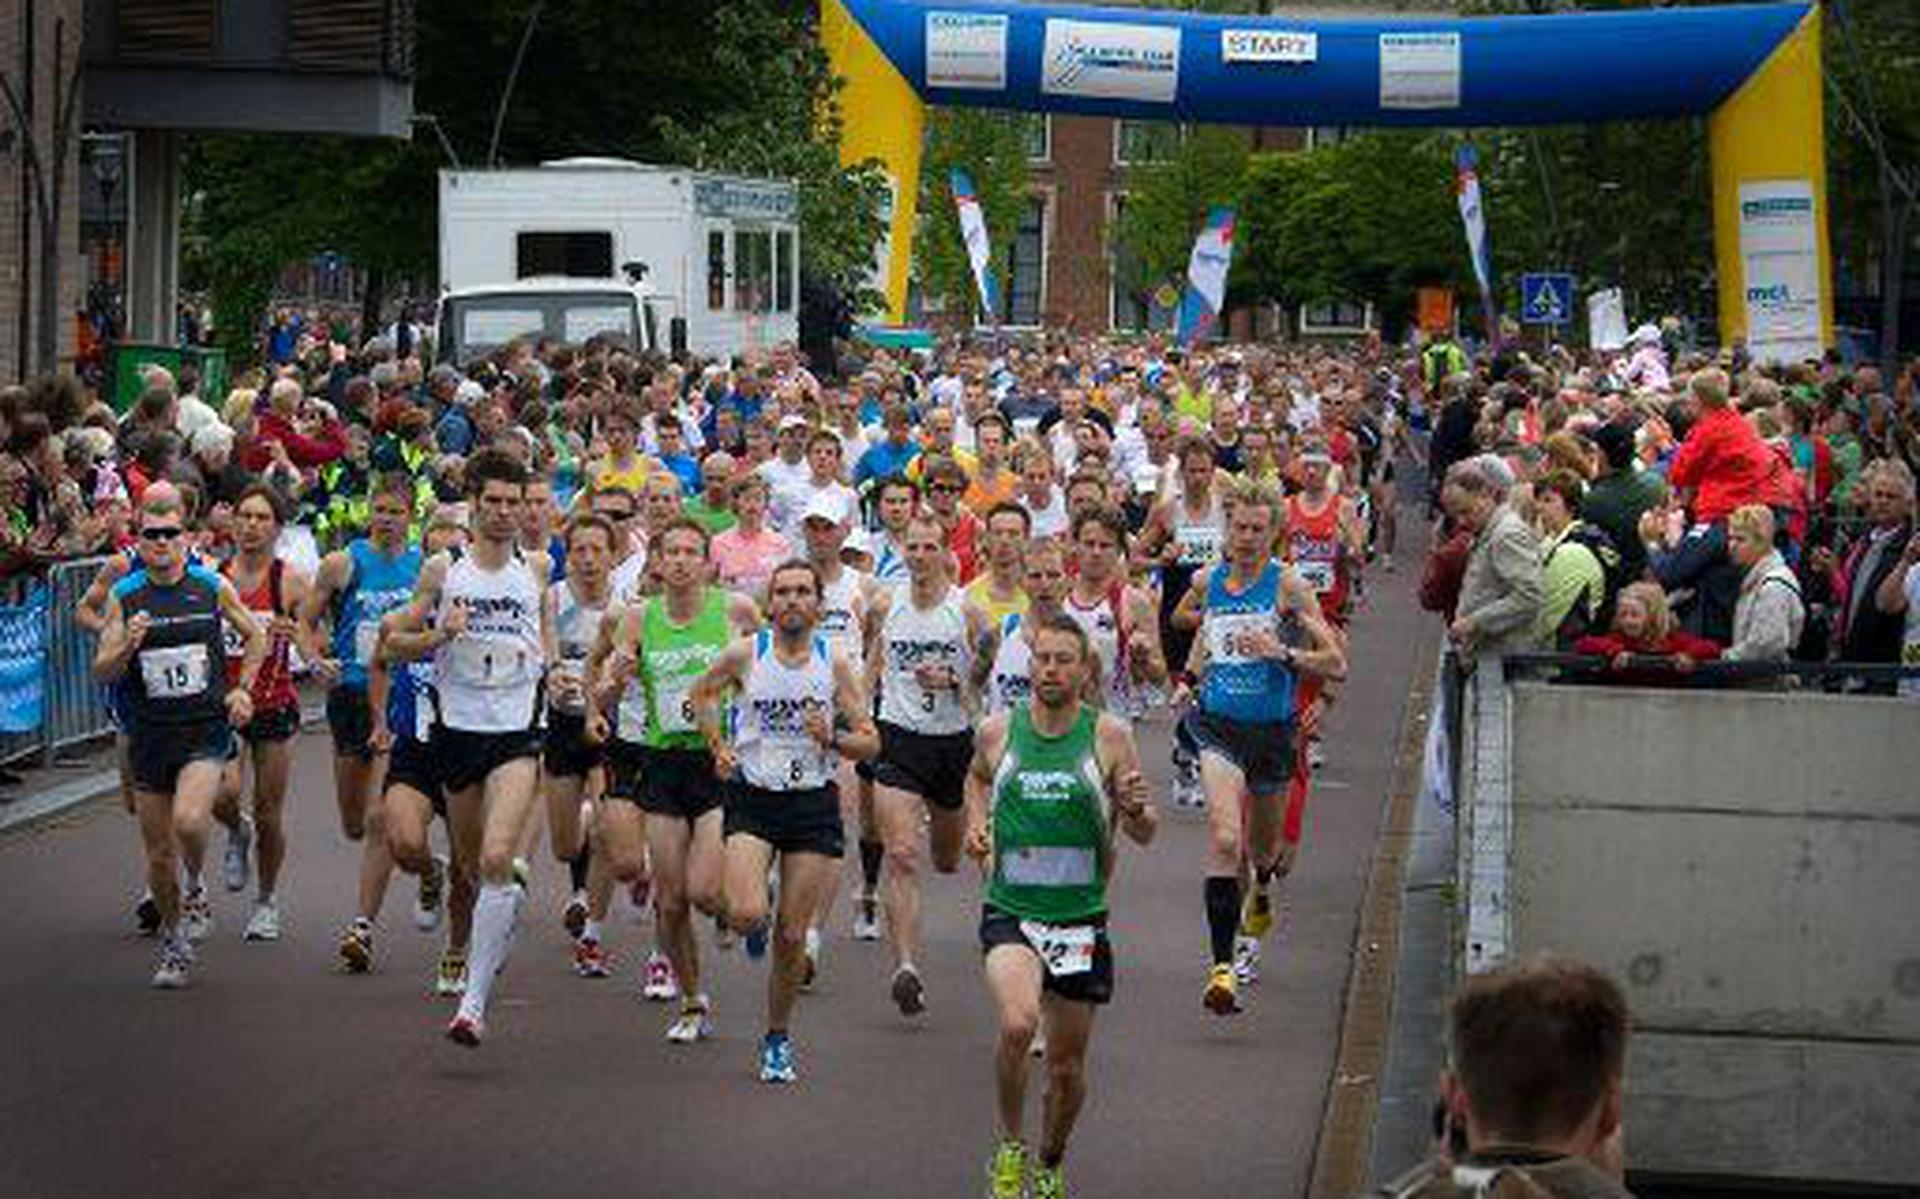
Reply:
x=1910, y=645
x=788, y=485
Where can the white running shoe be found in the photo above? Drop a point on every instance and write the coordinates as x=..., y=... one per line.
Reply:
x=196, y=916
x=812, y=970
x=432, y=896
x=176, y=963
x=264, y=924
x=659, y=985
x=694, y=1023
x=1316, y=758
x=237, y=863
x=1246, y=960
x=866, y=916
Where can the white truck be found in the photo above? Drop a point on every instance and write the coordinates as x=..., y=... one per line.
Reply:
x=707, y=263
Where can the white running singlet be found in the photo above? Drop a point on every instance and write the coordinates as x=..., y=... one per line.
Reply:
x=911, y=637
x=776, y=751
x=1011, y=682
x=489, y=676
x=576, y=627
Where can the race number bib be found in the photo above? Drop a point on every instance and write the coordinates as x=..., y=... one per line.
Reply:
x=366, y=635
x=484, y=662
x=673, y=703
x=1064, y=949
x=1318, y=573
x=236, y=645
x=1199, y=544
x=1230, y=638
x=176, y=672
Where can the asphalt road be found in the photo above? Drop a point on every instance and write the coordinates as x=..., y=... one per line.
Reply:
x=274, y=1074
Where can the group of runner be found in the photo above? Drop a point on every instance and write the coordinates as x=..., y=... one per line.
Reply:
x=952, y=683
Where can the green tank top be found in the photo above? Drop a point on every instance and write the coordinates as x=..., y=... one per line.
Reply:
x=1050, y=835
x=672, y=659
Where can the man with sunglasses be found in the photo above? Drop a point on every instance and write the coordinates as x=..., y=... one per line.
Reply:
x=163, y=632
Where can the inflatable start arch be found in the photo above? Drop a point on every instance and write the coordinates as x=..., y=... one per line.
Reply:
x=1753, y=69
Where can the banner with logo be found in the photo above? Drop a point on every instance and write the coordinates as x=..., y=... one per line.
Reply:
x=1466, y=186
x=23, y=663
x=1207, y=276
x=1780, y=256
x=967, y=50
x=1107, y=60
x=1607, y=320
x=973, y=231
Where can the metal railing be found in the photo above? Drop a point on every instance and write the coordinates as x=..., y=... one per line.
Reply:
x=74, y=708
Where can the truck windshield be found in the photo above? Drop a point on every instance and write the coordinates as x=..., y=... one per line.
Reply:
x=472, y=326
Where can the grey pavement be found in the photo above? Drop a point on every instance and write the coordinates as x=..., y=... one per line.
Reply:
x=276, y=1075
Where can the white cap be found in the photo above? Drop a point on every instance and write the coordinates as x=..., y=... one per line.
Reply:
x=1644, y=334
x=469, y=392
x=829, y=506
x=793, y=422
x=858, y=542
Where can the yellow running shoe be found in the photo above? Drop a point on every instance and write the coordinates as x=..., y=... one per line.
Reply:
x=1256, y=915
x=1007, y=1175
x=1222, y=996
x=1049, y=1182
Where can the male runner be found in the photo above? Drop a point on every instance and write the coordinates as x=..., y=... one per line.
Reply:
x=1245, y=673
x=998, y=589
x=273, y=592
x=163, y=632
x=920, y=641
x=1050, y=780
x=1003, y=665
x=571, y=753
x=799, y=705
x=650, y=655
x=492, y=626
x=1119, y=619
x=353, y=589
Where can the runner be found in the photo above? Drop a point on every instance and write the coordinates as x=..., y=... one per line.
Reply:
x=273, y=592
x=799, y=704
x=650, y=655
x=353, y=589
x=572, y=754
x=1003, y=668
x=165, y=617
x=1119, y=619
x=492, y=637
x=1244, y=673
x=896, y=499
x=998, y=591
x=1049, y=782
x=920, y=641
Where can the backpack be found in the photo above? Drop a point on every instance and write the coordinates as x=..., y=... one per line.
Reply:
x=1577, y=624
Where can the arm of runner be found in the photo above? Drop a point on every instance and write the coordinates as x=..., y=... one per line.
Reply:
x=1192, y=607
x=549, y=620
x=240, y=695
x=379, y=683
x=979, y=627
x=985, y=650
x=1324, y=656
x=1154, y=536
x=855, y=735
x=414, y=633
x=744, y=614
x=1120, y=757
x=1147, y=658
x=119, y=639
x=91, y=613
x=876, y=618
x=988, y=745
x=315, y=602
x=726, y=671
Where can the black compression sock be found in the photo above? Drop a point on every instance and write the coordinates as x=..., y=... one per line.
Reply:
x=1264, y=874
x=577, y=866
x=871, y=852
x=1223, y=917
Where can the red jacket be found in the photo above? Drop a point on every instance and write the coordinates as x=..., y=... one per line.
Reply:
x=1607, y=645
x=1725, y=463
x=306, y=452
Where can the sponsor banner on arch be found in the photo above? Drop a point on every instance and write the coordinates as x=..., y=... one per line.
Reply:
x=967, y=50
x=1780, y=258
x=1105, y=60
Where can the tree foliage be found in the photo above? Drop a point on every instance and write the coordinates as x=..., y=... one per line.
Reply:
x=1167, y=202
x=992, y=148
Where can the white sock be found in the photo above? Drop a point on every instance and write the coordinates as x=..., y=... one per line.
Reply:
x=591, y=930
x=493, y=919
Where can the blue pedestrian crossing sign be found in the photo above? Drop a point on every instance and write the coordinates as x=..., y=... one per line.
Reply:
x=1546, y=299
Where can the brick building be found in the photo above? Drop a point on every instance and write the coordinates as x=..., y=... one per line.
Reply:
x=40, y=41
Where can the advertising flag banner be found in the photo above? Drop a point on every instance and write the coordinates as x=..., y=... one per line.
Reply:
x=1473, y=217
x=973, y=230
x=1207, y=276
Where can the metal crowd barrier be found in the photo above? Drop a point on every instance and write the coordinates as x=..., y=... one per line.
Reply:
x=75, y=708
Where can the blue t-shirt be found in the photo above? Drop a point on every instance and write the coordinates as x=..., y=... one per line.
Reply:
x=883, y=460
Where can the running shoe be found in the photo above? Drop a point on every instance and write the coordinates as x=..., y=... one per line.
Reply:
x=589, y=959
x=175, y=964
x=1222, y=996
x=522, y=874
x=776, y=1058
x=433, y=893
x=356, y=946
x=909, y=992
x=450, y=979
x=723, y=937
x=1007, y=1173
x=694, y=1023
x=574, y=919
x=1256, y=915
x=755, y=941
x=1038, y=1046
x=1049, y=1182
x=1316, y=758
x=659, y=985
x=466, y=1031
x=812, y=969
x=196, y=916
x=264, y=924
x=1246, y=960
x=866, y=916
x=239, y=856
x=146, y=915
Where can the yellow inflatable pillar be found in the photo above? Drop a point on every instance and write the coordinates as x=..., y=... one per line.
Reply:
x=1769, y=137
x=883, y=118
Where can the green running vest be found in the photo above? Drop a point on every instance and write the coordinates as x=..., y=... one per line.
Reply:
x=1050, y=831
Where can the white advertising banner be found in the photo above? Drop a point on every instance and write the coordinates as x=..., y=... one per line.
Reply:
x=1780, y=260
x=1607, y=320
x=1269, y=45
x=1420, y=70
x=967, y=50
x=1107, y=61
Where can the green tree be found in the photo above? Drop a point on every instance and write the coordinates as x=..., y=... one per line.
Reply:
x=991, y=147
x=1167, y=202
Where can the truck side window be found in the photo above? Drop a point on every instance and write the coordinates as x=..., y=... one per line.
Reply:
x=578, y=255
x=716, y=271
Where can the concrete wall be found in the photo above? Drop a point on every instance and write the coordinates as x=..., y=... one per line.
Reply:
x=1748, y=865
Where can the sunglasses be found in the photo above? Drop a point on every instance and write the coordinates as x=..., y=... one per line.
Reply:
x=945, y=489
x=170, y=533
x=617, y=517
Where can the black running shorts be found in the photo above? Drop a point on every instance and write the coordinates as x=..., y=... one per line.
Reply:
x=790, y=821
x=467, y=758
x=567, y=753
x=416, y=765
x=933, y=766
x=1094, y=985
x=350, y=719
x=156, y=757
x=1263, y=752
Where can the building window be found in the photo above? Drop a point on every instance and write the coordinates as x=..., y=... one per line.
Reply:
x=577, y=255
x=716, y=271
x=1039, y=131
x=1146, y=141
x=783, y=271
x=1336, y=317
x=1136, y=305
x=1322, y=136
x=1023, y=296
x=752, y=270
